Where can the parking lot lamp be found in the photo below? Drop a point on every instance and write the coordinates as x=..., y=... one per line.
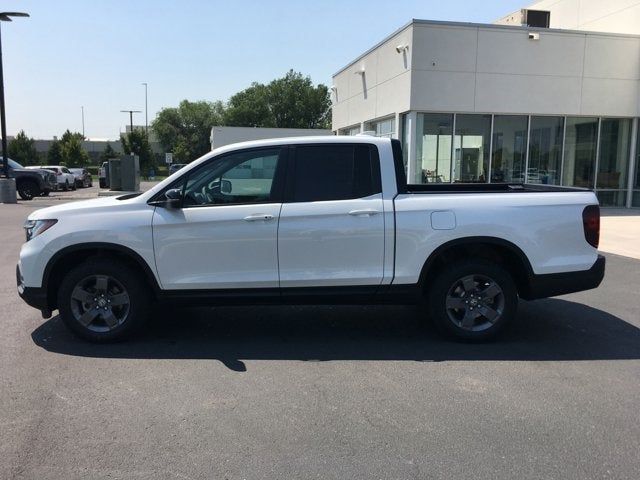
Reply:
x=5, y=17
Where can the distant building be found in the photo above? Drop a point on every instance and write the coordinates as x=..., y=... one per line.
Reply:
x=508, y=102
x=221, y=135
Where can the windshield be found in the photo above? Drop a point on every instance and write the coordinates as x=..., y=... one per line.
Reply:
x=14, y=164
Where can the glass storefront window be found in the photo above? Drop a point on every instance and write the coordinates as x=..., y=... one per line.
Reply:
x=383, y=128
x=545, y=150
x=471, y=148
x=508, y=148
x=350, y=131
x=612, y=198
x=615, y=136
x=580, y=152
x=433, y=148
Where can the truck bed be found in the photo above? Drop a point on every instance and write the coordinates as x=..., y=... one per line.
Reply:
x=487, y=188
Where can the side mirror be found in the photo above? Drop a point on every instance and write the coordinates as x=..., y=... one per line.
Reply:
x=225, y=186
x=172, y=199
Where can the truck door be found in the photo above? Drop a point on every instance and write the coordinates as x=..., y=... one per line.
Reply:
x=331, y=230
x=224, y=235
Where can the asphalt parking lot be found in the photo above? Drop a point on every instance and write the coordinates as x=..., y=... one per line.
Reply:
x=323, y=392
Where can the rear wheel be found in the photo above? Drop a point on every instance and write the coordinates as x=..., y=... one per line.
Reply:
x=28, y=189
x=102, y=300
x=66, y=186
x=472, y=300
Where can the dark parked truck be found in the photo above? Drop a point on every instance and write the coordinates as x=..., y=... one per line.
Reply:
x=310, y=220
x=32, y=182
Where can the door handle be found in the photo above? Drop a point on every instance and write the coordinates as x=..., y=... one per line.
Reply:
x=365, y=212
x=258, y=216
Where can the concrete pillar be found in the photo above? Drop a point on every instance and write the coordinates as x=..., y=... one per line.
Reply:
x=633, y=164
x=410, y=135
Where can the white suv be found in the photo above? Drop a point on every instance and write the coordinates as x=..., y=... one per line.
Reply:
x=66, y=179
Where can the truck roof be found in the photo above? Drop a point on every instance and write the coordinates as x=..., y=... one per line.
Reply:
x=304, y=140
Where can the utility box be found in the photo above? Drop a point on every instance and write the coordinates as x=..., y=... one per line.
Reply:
x=114, y=174
x=130, y=173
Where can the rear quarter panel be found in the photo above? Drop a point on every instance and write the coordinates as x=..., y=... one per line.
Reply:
x=546, y=226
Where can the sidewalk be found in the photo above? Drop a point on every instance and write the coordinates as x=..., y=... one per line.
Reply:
x=620, y=232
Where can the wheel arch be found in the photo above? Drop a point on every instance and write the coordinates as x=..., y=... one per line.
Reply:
x=495, y=249
x=73, y=255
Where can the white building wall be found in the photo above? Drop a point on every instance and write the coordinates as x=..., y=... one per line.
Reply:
x=619, y=16
x=222, y=135
x=501, y=70
x=383, y=89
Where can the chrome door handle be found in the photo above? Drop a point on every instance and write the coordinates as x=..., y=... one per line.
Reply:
x=257, y=217
x=365, y=212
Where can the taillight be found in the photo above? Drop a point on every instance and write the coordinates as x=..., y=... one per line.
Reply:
x=591, y=224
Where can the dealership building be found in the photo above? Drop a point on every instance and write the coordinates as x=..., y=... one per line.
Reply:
x=549, y=94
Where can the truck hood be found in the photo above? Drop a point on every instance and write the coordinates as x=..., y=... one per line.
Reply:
x=86, y=206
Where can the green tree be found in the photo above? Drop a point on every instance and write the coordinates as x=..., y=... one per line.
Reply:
x=137, y=143
x=54, y=155
x=250, y=108
x=185, y=130
x=22, y=149
x=71, y=151
x=108, y=153
x=288, y=102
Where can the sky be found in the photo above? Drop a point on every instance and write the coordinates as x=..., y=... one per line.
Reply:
x=96, y=53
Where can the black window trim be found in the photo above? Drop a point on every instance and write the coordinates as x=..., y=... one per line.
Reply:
x=289, y=189
x=278, y=178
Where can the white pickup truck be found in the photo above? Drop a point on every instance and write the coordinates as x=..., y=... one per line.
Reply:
x=310, y=220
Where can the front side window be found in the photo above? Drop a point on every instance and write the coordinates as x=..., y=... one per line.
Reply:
x=242, y=177
x=335, y=172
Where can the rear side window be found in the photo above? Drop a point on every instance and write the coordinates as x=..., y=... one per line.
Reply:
x=334, y=172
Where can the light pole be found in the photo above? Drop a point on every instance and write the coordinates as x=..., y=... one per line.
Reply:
x=131, y=112
x=146, y=110
x=5, y=17
x=82, y=108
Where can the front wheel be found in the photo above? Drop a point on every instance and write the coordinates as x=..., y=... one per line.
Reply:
x=102, y=300
x=472, y=300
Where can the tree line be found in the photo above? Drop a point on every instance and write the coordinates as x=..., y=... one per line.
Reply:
x=288, y=102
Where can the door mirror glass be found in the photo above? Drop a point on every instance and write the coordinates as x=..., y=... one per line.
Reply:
x=226, y=186
x=173, y=194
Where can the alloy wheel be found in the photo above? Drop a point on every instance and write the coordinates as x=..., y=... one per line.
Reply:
x=475, y=302
x=100, y=303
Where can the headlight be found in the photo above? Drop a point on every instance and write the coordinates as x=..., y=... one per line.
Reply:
x=33, y=228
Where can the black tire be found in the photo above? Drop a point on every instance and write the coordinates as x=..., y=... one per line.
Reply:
x=106, y=323
x=472, y=300
x=27, y=189
x=74, y=186
x=46, y=193
x=102, y=183
x=66, y=186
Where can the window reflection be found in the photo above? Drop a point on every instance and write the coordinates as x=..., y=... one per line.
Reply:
x=545, y=150
x=433, y=148
x=509, y=148
x=580, y=152
x=471, y=148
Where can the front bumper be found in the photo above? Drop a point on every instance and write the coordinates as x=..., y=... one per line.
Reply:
x=551, y=285
x=33, y=296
